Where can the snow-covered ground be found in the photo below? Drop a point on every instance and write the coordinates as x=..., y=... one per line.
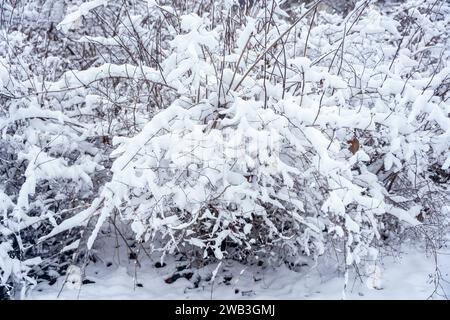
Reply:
x=407, y=277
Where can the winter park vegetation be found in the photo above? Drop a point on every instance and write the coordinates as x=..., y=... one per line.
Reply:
x=266, y=133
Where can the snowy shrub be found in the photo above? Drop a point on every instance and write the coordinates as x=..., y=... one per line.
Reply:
x=48, y=163
x=234, y=131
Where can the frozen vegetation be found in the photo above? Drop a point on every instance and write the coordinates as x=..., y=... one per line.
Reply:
x=224, y=149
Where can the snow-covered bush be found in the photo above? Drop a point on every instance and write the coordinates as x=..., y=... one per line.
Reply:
x=49, y=161
x=240, y=131
x=61, y=104
x=245, y=163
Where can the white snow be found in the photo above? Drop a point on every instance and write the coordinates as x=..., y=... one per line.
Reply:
x=405, y=277
x=205, y=131
x=72, y=20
